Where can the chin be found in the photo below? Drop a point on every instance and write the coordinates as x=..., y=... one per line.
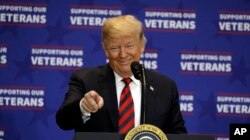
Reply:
x=125, y=70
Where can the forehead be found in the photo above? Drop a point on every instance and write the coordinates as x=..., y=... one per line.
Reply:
x=123, y=39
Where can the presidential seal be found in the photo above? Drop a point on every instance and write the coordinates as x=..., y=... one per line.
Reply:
x=146, y=132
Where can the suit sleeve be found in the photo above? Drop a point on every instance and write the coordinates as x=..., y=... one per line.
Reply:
x=177, y=122
x=69, y=115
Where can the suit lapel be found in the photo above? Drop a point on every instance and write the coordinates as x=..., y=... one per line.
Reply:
x=150, y=97
x=108, y=89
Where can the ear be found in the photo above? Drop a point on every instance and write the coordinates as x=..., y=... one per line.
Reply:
x=105, y=50
x=143, y=44
x=142, y=48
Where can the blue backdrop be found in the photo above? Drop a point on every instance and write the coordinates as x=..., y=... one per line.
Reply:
x=203, y=45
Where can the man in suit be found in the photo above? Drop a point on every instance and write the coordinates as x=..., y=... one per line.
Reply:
x=92, y=103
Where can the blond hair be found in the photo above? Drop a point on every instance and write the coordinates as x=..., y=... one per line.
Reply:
x=124, y=25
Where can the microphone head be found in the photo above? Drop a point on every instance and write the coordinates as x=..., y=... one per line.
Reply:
x=136, y=69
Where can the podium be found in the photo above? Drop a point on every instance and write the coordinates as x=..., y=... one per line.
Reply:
x=116, y=136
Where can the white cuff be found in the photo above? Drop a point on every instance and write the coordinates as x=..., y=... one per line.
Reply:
x=85, y=115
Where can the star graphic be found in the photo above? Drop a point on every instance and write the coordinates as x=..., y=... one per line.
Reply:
x=133, y=7
x=17, y=137
x=196, y=48
x=246, y=1
x=180, y=5
x=24, y=68
x=37, y=1
x=57, y=33
x=208, y=107
x=42, y=116
x=240, y=72
x=14, y=136
x=11, y=29
x=97, y=40
x=9, y=126
x=206, y=112
x=86, y=2
x=149, y=45
x=65, y=82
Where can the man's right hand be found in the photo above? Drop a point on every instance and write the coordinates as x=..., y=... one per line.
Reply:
x=92, y=102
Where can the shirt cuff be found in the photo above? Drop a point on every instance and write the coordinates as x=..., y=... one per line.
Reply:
x=85, y=115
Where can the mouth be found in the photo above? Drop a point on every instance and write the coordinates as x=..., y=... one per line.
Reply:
x=125, y=62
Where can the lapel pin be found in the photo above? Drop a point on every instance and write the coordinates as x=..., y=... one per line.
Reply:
x=151, y=88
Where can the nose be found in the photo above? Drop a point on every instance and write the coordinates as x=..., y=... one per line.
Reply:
x=123, y=52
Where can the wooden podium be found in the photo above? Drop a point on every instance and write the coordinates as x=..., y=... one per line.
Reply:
x=116, y=136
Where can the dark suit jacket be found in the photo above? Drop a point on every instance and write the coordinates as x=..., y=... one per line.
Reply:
x=162, y=109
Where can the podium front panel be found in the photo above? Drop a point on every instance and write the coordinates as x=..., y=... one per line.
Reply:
x=116, y=136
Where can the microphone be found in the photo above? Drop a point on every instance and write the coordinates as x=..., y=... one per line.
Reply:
x=139, y=73
x=136, y=69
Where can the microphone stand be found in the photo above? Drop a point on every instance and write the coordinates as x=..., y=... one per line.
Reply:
x=143, y=91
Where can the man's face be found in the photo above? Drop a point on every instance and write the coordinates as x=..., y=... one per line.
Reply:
x=121, y=52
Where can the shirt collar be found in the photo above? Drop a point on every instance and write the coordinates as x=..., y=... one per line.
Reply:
x=118, y=79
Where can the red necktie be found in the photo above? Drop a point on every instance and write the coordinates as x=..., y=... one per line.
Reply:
x=126, y=109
